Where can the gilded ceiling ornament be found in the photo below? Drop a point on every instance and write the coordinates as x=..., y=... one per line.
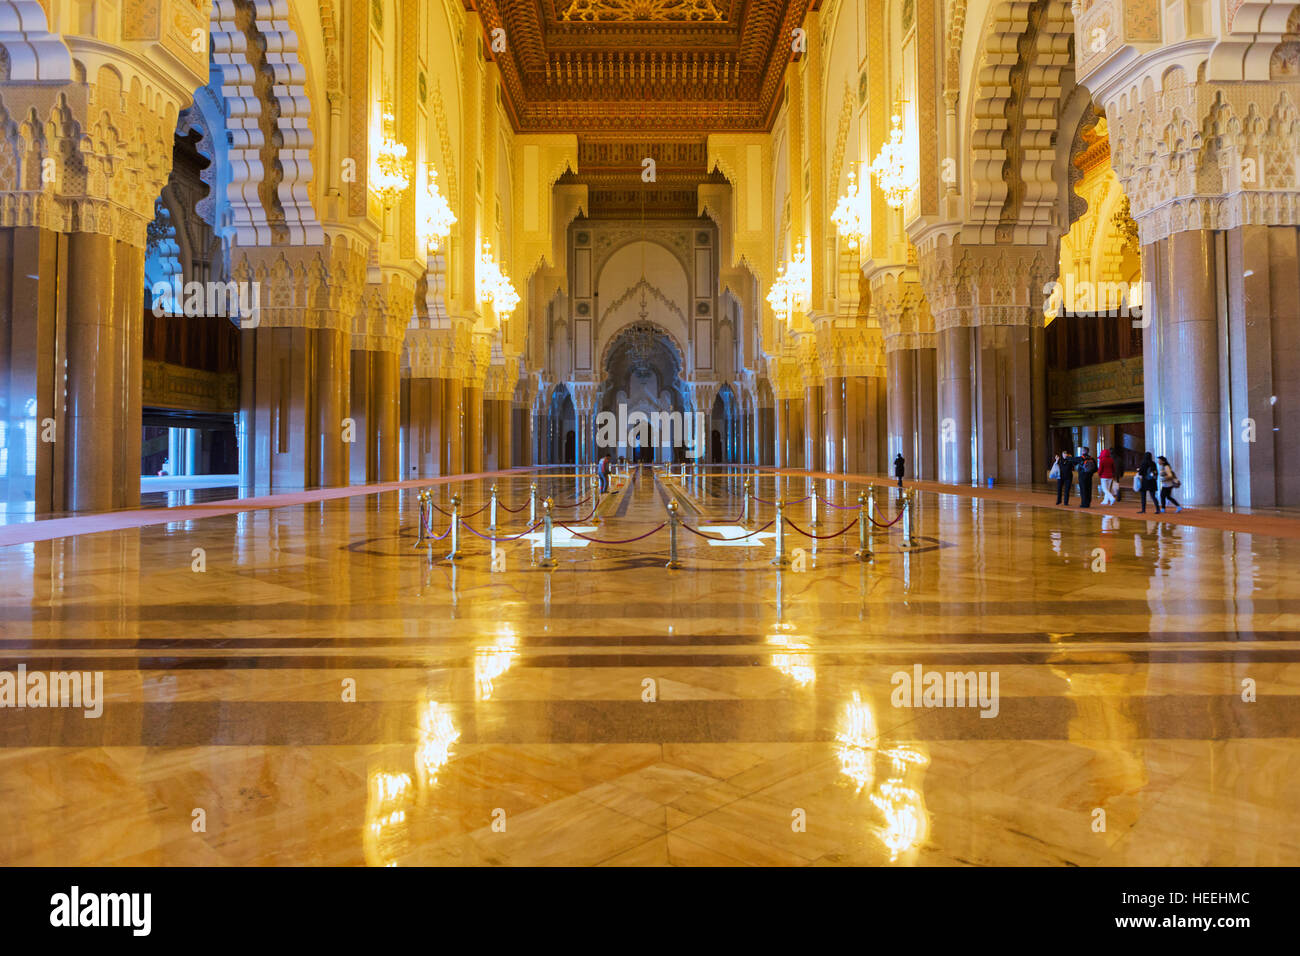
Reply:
x=661, y=11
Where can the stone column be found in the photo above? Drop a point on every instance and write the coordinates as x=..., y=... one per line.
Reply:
x=814, y=441
x=333, y=374
x=94, y=380
x=385, y=407
x=453, y=427
x=955, y=421
x=474, y=429
x=987, y=302
x=89, y=130
x=297, y=366
x=836, y=445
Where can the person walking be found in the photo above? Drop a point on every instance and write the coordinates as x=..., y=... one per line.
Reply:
x=602, y=471
x=1147, y=474
x=1063, y=472
x=1087, y=468
x=1168, y=482
x=900, y=468
x=1106, y=475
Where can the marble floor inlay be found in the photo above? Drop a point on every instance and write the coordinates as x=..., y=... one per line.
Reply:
x=1024, y=685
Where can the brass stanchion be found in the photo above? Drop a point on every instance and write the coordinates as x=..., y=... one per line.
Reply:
x=779, y=559
x=744, y=514
x=909, y=537
x=532, y=504
x=812, y=500
x=864, y=551
x=455, y=554
x=492, y=508
x=547, y=559
x=871, y=510
x=419, y=539
x=672, y=535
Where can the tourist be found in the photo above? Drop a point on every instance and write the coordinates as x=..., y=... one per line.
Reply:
x=1145, y=482
x=1106, y=472
x=1086, y=467
x=602, y=471
x=1063, y=472
x=900, y=468
x=1168, y=482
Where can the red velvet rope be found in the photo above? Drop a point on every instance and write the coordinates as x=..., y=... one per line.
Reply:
x=578, y=534
x=821, y=537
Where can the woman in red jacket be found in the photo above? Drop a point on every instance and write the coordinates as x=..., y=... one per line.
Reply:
x=1106, y=472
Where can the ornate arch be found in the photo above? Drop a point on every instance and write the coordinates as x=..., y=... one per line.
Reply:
x=676, y=347
x=264, y=84
x=1026, y=61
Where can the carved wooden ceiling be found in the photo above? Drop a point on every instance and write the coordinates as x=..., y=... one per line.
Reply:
x=642, y=66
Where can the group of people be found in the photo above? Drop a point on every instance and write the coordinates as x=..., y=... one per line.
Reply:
x=1152, y=473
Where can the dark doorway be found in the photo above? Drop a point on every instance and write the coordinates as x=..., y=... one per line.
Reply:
x=569, y=456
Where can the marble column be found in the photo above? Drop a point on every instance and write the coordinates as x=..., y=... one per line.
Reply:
x=1183, y=353
x=93, y=373
x=453, y=427
x=781, y=432
x=474, y=429
x=333, y=373
x=386, y=414
x=814, y=441
x=1263, y=365
x=363, y=460
x=505, y=434
x=954, y=359
x=836, y=443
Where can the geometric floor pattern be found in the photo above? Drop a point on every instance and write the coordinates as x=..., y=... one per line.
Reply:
x=321, y=692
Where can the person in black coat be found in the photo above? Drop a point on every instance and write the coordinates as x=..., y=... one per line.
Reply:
x=1149, y=474
x=1086, y=466
x=900, y=467
x=1064, y=477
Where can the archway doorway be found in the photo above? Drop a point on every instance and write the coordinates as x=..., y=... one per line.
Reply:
x=642, y=407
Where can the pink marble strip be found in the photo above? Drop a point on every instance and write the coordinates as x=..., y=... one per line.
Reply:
x=51, y=528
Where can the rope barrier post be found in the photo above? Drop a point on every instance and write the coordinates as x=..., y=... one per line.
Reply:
x=908, y=540
x=779, y=559
x=532, y=504
x=744, y=513
x=595, y=499
x=455, y=553
x=871, y=510
x=812, y=502
x=672, y=535
x=492, y=508
x=547, y=559
x=864, y=550
x=419, y=539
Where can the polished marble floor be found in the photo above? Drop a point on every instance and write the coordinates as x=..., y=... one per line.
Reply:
x=322, y=692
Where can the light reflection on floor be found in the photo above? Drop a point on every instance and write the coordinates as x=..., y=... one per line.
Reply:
x=326, y=694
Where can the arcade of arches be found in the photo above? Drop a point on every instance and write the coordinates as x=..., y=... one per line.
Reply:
x=301, y=247
x=620, y=162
